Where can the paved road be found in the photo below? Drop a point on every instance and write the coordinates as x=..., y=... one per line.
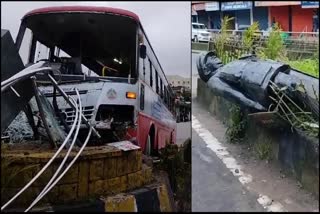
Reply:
x=214, y=188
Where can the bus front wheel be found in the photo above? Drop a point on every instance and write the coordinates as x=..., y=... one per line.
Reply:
x=147, y=150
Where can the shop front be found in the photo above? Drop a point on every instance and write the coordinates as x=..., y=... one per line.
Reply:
x=201, y=15
x=312, y=9
x=194, y=14
x=279, y=12
x=214, y=16
x=241, y=11
x=260, y=15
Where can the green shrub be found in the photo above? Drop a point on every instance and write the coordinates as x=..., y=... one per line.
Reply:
x=221, y=39
x=249, y=36
x=263, y=150
x=274, y=47
x=237, y=125
x=172, y=160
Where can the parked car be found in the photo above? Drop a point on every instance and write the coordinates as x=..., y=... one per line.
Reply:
x=200, y=33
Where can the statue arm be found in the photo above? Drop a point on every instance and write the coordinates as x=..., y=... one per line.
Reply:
x=223, y=89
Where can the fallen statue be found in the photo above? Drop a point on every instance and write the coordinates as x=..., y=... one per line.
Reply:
x=247, y=81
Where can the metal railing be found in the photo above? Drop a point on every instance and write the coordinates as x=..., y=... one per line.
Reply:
x=297, y=44
x=29, y=73
x=266, y=33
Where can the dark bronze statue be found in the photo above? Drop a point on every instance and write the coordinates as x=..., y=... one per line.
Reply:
x=246, y=81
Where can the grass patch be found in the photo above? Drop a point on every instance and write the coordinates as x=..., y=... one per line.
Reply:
x=308, y=66
x=263, y=150
x=237, y=125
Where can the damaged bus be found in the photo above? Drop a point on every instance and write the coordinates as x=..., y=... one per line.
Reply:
x=105, y=54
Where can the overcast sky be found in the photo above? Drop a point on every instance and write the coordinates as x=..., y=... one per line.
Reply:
x=167, y=25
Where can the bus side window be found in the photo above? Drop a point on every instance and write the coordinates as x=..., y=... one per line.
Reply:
x=157, y=82
x=142, y=97
x=165, y=96
x=172, y=105
x=150, y=72
x=161, y=89
x=168, y=98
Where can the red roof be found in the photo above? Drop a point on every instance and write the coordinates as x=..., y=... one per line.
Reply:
x=88, y=9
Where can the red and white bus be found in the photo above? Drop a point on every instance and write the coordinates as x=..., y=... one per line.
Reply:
x=105, y=53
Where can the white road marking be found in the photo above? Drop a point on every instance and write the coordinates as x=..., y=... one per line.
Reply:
x=231, y=163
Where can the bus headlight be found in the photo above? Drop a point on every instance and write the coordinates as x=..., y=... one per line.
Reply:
x=131, y=95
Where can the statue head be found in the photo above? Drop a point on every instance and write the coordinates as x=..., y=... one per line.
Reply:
x=207, y=65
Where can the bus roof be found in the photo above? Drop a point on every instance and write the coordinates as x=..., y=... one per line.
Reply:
x=89, y=9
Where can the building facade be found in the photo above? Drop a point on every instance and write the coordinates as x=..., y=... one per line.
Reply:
x=294, y=16
x=178, y=81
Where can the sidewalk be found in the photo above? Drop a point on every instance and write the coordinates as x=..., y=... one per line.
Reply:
x=198, y=51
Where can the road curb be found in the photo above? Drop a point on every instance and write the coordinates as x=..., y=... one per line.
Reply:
x=152, y=198
x=156, y=197
x=198, y=51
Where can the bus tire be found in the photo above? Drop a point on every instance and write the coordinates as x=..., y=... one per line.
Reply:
x=149, y=150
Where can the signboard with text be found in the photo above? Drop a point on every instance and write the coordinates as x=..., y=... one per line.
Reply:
x=309, y=4
x=198, y=7
x=212, y=6
x=236, y=5
x=275, y=3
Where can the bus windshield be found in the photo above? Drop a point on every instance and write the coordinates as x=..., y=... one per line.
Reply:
x=104, y=44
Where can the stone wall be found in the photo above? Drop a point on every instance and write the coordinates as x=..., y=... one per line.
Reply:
x=151, y=198
x=154, y=197
x=199, y=46
x=102, y=170
x=297, y=153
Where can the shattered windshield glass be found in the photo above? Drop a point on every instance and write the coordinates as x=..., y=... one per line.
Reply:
x=92, y=44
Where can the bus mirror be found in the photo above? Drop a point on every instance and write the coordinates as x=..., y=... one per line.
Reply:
x=143, y=51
